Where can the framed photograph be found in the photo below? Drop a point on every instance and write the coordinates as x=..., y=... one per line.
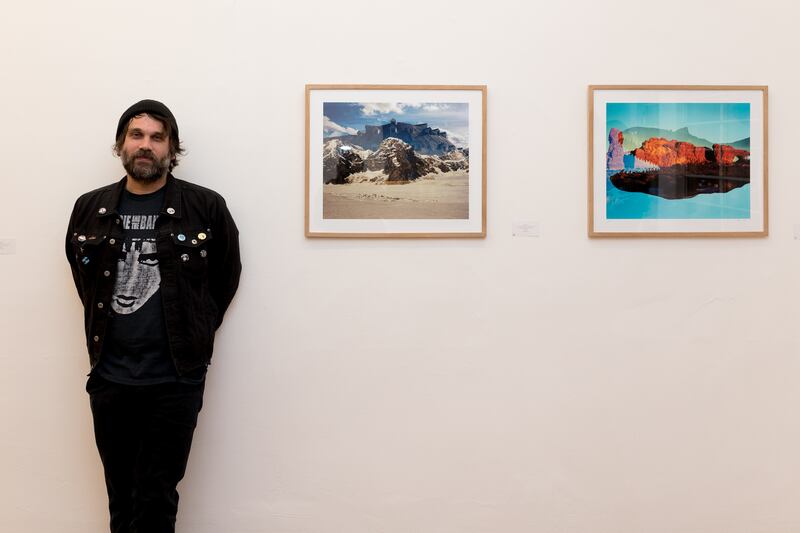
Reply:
x=395, y=161
x=677, y=161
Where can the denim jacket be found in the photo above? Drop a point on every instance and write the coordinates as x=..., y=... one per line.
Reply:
x=197, y=243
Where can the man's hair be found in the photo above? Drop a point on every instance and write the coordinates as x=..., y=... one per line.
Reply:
x=175, y=146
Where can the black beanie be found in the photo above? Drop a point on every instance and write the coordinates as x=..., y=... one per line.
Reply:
x=147, y=106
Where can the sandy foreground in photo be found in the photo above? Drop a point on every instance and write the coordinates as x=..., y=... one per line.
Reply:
x=433, y=196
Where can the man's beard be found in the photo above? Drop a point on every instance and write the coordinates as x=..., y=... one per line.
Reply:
x=147, y=171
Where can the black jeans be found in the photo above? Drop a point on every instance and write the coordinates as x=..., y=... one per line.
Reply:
x=144, y=434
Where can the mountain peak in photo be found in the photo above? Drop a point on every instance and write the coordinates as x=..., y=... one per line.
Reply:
x=423, y=138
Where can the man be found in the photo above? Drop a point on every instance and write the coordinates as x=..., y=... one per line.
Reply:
x=156, y=263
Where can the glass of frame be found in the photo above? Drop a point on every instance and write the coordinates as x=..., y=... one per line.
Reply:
x=677, y=161
x=395, y=161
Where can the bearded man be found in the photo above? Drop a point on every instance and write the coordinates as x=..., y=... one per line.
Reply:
x=155, y=260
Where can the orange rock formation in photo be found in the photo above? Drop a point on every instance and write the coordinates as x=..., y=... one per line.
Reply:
x=665, y=153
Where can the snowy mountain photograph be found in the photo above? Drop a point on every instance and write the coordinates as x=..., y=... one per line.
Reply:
x=390, y=160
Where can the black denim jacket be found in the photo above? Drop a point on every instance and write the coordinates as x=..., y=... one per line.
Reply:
x=198, y=255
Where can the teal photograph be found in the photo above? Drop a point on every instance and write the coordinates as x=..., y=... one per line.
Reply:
x=689, y=161
x=678, y=160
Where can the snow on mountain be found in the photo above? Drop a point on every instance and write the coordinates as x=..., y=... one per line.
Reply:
x=394, y=160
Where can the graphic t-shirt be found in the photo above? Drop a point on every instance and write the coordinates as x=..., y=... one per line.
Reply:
x=136, y=350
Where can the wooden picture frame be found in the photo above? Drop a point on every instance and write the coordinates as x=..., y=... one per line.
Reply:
x=677, y=161
x=395, y=161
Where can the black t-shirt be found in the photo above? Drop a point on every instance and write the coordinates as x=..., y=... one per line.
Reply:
x=136, y=350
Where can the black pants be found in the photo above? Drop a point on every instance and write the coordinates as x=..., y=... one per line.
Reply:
x=144, y=434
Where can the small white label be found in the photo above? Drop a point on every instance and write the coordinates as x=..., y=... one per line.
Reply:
x=8, y=246
x=525, y=229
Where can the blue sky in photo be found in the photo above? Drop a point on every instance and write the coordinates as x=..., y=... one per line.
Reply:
x=451, y=117
x=716, y=122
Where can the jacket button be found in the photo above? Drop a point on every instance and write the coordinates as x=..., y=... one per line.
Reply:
x=184, y=257
x=107, y=273
x=81, y=238
x=96, y=338
x=170, y=211
x=102, y=210
x=203, y=253
x=112, y=241
x=99, y=305
x=181, y=237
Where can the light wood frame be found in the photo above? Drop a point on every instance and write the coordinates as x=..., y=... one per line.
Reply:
x=594, y=232
x=481, y=233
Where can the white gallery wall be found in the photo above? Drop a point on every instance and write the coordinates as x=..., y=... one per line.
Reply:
x=548, y=384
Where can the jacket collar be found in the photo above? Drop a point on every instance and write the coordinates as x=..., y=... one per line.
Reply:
x=172, y=198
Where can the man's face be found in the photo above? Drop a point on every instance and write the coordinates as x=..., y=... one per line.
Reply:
x=145, y=150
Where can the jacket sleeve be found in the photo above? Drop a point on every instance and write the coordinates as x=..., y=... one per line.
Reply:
x=70, y=251
x=225, y=264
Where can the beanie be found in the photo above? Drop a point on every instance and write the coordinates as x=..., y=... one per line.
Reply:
x=147, y=106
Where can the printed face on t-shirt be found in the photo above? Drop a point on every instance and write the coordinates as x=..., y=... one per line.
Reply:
x=138, y=276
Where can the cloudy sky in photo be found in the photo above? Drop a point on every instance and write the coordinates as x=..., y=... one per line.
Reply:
x=715, y=122
x=343, y=118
